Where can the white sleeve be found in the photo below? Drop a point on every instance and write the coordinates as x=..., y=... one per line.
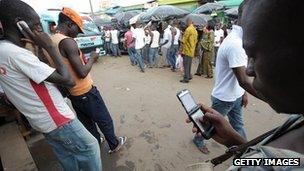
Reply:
x=31, y=66
x=166, y=36
x=236, y=57
x=134, y=34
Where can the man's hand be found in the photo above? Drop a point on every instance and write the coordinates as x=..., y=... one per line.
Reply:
x=39, y=38
x=224, y=133
x=245, y=100
x=94, y=56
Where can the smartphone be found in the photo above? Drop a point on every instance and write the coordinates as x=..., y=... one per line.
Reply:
x=195, y=114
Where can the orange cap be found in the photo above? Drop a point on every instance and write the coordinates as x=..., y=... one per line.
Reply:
x=74, y=16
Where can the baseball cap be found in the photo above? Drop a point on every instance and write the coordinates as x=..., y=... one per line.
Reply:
x=74, y=16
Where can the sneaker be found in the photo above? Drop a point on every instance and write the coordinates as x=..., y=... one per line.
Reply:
x=184, y=81
x=122, y=141
x=101, y=140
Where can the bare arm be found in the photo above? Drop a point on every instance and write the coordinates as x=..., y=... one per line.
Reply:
x=71, y=52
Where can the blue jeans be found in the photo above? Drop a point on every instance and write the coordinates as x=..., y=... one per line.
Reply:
x=132, y=53
x=139, y=59
x=152, y=56
x=75, y=147
x=234, y=112
x=115, y=49
x=91, y=109
x=172, y=55
x=108, y=48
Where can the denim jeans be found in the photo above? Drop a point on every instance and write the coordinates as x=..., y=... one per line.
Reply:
x=234, y=112
x=108, y=48
x=132, y=53
x=145, y=53
x=115, y=49
x=91, y=109
x=172, y=55
x=75, y=147
x=139, y=59
x=152, y=56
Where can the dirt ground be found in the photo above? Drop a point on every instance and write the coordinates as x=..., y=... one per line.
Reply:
x=144, y=107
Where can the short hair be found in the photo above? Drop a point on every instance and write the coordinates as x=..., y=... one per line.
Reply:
x=12, y=9
x=210, y=25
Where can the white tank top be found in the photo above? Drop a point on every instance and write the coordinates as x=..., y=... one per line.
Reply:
x=155, y=41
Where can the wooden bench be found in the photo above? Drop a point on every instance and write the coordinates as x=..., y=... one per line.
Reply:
x=14, y=152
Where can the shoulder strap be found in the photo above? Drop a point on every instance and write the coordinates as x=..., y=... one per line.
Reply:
x=274, y=133
x=241, y=149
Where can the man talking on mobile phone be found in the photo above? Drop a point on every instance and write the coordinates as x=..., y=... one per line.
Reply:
x=85, y=97
x=30, y=85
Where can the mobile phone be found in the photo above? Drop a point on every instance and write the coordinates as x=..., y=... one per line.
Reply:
x=19, y=23
x=195, y=114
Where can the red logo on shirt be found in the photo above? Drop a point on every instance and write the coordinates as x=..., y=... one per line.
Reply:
x=2, y=71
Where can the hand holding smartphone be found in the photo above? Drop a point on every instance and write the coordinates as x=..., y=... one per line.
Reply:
x=195, y=114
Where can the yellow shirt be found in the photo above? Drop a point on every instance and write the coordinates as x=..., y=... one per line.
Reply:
x=189, y=41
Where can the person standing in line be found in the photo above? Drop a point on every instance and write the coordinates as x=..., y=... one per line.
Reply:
x=208, y=48
x=85, y=97
x=188, y=46
x=165, y=46
x=153, y=52
x=146, y=48
x=218, y=39
x=107, y=38
x=114, y=42
x=176, y=33
x=30, y=86
x=130, y=45
x=138, y=38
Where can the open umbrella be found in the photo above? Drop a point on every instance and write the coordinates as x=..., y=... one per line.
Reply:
x=208, y=8
x=163, y=12
x=136, y=18
x=197, y=19
x=232, y=12
x=125, y=16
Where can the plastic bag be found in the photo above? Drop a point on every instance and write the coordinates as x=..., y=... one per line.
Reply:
x=179, y=63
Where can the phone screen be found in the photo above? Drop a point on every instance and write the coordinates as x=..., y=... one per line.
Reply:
x=188, y=101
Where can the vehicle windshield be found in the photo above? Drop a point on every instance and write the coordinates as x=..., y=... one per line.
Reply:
x=89, y=28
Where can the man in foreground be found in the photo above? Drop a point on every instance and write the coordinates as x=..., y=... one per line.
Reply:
x=28, y=84
x=85, y=97
x=269, y=52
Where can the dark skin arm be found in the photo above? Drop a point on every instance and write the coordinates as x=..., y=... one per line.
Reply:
x=69, y=49
x=61, y=75
x=244, y=81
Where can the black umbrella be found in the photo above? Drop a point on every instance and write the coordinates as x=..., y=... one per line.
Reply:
x=163, y=12
x=123, y=17
x=197, y=19
x=208, y=8
x=232, y=12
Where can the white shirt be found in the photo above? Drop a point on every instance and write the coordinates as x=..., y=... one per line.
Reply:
x=114, y=36
x=230, y=55
x=177, y=36
x=217, y=37
x=167, y=36
x=22, y=78
x=155, y=41
x=107, y=36
x=139, y=35
x=147, y=39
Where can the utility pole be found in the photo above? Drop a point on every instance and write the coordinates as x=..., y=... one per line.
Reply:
x=92, y=12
